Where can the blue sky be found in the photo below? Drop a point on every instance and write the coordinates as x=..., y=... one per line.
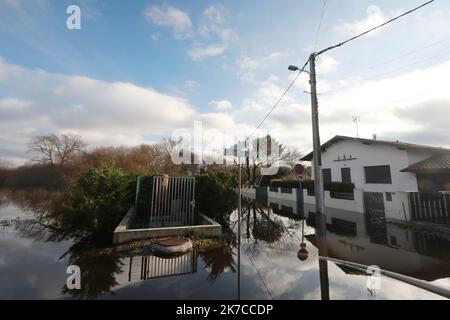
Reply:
x=138, y=70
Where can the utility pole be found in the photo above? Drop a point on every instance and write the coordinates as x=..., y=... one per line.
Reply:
x=318, y=185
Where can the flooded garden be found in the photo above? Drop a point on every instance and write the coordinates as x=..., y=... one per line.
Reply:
x=272, y=255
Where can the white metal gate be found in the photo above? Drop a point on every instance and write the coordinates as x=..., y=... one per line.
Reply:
x=173, y=201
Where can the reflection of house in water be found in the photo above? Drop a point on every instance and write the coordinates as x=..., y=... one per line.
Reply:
x=420, y=254
x=153, y=267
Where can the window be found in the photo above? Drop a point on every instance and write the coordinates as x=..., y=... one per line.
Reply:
x=326, y=173
x=388, y=196
x=378, y=175
x=394, y=241
x=346, y=175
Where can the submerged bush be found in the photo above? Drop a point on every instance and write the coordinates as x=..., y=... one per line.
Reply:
x=95, y=205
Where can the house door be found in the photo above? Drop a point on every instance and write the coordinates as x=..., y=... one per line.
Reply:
x=375, y=217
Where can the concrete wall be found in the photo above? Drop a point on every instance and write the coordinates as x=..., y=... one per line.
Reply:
x=373, y=155
x=283, y=196
x=356, y=205
x=397, y=209
x=123, y=233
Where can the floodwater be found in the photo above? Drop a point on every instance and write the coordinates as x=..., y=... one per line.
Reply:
x=278, y=259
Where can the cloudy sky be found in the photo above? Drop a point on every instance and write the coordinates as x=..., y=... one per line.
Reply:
x=139, y=70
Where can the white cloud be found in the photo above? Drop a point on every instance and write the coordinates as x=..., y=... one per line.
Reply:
x=111, y=113
x=36, y=102
x=171, y=17
x=255, y=62
x=248, y=65
x=221, y=105
x=375, y=16
x=199, y=51
x=412, y=107
x=212, y=21
x=211, y=38
x=327, y=64
x=214, y=30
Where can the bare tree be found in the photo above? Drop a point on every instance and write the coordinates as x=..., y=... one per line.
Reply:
x=53, y=149
x=67, y=146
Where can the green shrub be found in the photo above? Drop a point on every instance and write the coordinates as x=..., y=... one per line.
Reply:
x=95, y=205
x=216, y=195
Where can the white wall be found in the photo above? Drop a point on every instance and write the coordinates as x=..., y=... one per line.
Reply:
x=373, y=155
x=283, y=196
x=356, y=205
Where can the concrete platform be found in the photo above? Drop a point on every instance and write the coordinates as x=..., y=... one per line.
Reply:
x=207, y=227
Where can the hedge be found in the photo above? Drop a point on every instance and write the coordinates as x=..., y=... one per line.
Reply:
x=309, y=185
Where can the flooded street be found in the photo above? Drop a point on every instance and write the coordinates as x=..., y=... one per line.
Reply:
x=278, y=260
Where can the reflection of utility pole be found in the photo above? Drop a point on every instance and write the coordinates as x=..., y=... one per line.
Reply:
x=239, y=230
x=356, y=120
x=324, y=282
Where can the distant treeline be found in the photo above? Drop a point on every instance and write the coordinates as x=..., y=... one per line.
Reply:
x=48, y=177
x=140, y=160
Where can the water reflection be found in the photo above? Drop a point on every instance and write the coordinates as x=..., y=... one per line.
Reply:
x=422, y=254
x=279, y=259
x=102, y=274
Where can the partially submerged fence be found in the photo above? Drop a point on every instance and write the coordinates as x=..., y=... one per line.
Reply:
x=164, y=201
x=430, y=207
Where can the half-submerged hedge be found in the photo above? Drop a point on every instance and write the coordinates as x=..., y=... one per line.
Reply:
x=309, y=185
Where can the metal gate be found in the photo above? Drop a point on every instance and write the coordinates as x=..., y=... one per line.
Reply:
x=164, y=201
x=375, y=217
x=173, y=201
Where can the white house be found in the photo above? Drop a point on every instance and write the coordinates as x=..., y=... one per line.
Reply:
x=388, y=176
x=374, y=165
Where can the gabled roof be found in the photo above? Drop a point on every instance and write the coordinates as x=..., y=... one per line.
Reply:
x=438, y=163
x=397, y=144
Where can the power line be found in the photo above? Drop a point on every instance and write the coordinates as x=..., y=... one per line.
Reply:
x=409, y=53
x=281, y=98
x=320, y=24
x=444, y=54
x=374, y=28
x=328, y=49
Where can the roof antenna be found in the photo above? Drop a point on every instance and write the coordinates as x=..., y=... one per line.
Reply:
x=356, y=120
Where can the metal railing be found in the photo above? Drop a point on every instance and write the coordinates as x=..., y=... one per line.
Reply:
x=430, y=207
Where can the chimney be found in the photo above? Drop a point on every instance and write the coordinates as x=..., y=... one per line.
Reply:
x=374, y=136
